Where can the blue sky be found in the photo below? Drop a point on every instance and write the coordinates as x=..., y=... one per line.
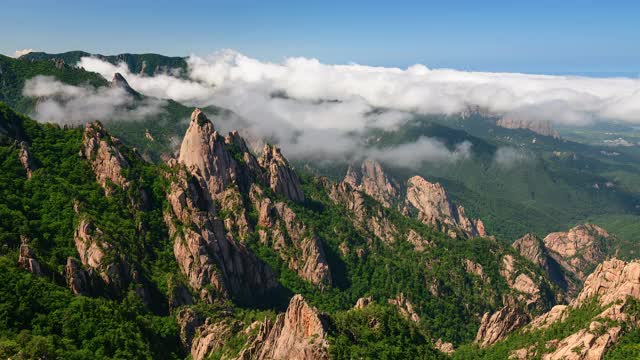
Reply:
x=561, y=36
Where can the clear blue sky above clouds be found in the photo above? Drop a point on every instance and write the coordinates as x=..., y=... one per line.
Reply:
x=560, y=36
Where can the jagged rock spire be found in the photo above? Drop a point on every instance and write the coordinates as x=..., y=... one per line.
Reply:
x=280, y=176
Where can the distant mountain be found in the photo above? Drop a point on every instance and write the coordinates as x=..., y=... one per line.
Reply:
x=147, y=64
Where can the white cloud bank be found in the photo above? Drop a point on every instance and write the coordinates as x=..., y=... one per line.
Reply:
x=67, y=104
x=19, y=53
x=316, y=109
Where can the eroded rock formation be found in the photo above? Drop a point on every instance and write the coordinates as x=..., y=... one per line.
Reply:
x=405, y=308
x=26, y=159
x=372, y=180
x=431, y=204
x=280, y=177
x=281, y=230
x=27, y=258
x=298, y=334
x=101, y=151
x=495, y=327
x=580, y=249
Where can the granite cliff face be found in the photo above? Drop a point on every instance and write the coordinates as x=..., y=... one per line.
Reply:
x=101, y=151
x=207, y=255
x=580, y=249
x=612, y=284
x=298, y=334
x=365, y=217
x=431, y=204
x=372, y=180
x=281, y=230
x=280, y=177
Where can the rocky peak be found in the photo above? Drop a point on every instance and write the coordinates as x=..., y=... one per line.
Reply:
x=280, y=176
x=432, y=204
x=372, y=180
x=101, y=151
x=203, y=153
x=579, y=249
x=210, y=258
x=119, y=81
x=298, y=334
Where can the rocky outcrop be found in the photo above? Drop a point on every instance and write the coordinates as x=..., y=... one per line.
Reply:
x=209, y=257
x=77, y=278
x=101, y=151
x=445, y=347
x=405, y=308
x=611, y=284
x=212, y=337
x=26, y=159
x=372, y=180
x=92, y=250
x=495, y=327
x=585, y=344
x=363, y=302
x=366, y=218
x=27, y=258
x=613, y=280
x=298, y=334
x=580, y=249
x=431, y=204
x=472, y=267
x=204, y=154
x=533, y=249
x=526, y=289
x=279, y=175
x=282, y=231
x=419, y=243
x=537, y=126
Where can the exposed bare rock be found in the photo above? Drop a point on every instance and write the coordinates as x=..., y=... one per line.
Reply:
x=204, y=154
x=523, y=353
x=527, y=289
x=92, y=250
x=585, y=344
x=432, y=206
x=205, y=254
x=367, y=218
x=25, y=159
x=101, y=151
x=363, y=302
x=539, y=127
x=445, y=347
x=147, y=134
x=612, y=281
x=27, y=258
x=281, y=177
x=298, y=334
x=212, y=337
x=77, y=278
x=188, y=321
x=557, y=313
x=405, y=308
x=419, y=243
x=474, y=268
x=232, y=204
x=284, y=232
x=580, y=249
x=372, y=180
x=495, y=327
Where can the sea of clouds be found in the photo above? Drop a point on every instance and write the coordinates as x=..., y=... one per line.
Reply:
x=320, y=110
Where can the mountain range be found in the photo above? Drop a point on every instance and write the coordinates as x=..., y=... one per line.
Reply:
x=169, y=237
